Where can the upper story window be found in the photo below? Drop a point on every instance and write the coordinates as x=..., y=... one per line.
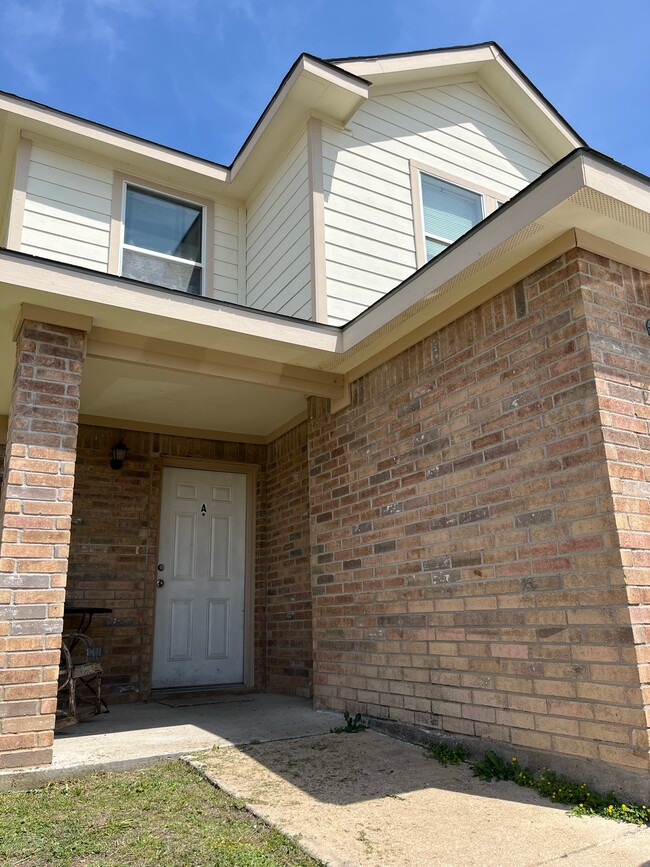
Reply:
x=163, y=240
x=450, y=209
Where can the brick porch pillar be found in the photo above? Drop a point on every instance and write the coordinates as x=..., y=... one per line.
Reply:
x=35, y=509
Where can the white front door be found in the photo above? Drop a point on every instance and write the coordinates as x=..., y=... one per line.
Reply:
x=199, y=629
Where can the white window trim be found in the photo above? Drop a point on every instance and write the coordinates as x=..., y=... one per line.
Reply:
x=489, y=199
x=117, y=245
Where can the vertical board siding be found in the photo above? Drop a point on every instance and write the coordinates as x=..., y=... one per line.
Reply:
x=458, y=130
x=226, y=253
x=67, y=209
x=278, y=264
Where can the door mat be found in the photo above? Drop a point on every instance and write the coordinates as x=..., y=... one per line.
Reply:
x=197, y=700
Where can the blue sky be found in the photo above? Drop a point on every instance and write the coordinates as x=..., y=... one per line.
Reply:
x=196, y=74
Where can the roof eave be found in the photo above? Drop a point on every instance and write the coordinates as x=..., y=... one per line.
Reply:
x=586, y=194
x=333, y=89
x=311, y=85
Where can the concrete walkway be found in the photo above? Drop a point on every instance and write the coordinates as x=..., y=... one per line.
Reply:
x=367, y=800
x=358, y=800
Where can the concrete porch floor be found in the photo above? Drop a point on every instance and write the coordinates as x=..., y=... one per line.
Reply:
x=133, y=735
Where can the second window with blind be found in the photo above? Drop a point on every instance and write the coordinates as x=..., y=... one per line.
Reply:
x=449, y=210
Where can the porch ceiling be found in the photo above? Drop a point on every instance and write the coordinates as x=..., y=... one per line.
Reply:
x=133, y=396
x=197, y=375
x=130, y=394
x=120, y=390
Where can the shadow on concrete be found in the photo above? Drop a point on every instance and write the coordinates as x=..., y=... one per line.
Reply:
x=282, y=733
x=368, y=799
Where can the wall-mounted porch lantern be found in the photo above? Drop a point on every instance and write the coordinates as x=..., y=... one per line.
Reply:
x=119, y=452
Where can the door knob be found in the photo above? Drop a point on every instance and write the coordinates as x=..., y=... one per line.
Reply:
x=160, y=582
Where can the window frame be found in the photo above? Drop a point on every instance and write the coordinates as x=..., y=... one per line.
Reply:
x=490, y=201
x=118, y=227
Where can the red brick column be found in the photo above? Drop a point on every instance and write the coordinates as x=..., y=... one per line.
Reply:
x=35, y=509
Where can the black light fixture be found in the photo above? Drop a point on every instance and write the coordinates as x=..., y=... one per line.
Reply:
x=119, y=452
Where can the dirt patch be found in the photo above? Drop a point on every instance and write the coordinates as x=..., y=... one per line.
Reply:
x=366, y=800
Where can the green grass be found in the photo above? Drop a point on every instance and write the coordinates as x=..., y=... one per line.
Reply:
x=167, y=814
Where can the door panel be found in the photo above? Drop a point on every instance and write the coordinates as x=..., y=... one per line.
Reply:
x=218, y=631
x=184, y=543
x=199, y=630
x=220, y=548
x=180, y=630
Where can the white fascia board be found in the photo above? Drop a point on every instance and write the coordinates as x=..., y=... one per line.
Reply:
x=617, y=182
x=350, y=82
x=311, y=86
x=528, y=107
x=494, y=70
x=271, y=111
x=123, y=305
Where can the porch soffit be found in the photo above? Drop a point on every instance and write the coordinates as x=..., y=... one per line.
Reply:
x=152, y=353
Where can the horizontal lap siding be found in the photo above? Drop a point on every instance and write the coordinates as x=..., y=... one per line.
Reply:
x=67, y=210
x=278, y=264
x=369, y=231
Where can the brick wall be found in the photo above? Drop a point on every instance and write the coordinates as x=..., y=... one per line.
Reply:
x=35, y=506
x=478, y=523
x=467, y=575
x=617, y=304
x=114, y=545
x=288, y=612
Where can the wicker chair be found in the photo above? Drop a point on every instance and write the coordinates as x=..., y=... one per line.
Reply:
x=80, y=680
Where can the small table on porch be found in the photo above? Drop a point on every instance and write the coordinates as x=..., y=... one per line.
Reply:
x=86, y=613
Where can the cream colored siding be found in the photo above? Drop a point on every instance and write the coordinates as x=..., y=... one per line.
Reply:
x=278, y=264
x=226, y=253
x=67, y=209
x=458, y=130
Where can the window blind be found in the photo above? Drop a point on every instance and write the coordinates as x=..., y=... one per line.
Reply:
x=449, y=212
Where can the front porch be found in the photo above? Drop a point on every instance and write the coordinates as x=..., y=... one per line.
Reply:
x=78, y=532
x=137, y=734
